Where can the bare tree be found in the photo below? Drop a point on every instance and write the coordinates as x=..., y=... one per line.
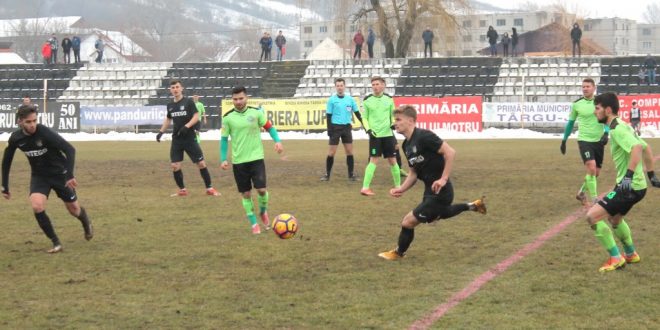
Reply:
x=652, y=13
x=397, y=19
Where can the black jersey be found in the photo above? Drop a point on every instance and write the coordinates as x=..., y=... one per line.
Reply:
x=48, y=153
x=422, y=154
x=181, y=113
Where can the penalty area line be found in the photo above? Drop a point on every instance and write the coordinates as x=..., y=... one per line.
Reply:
x=477, y=283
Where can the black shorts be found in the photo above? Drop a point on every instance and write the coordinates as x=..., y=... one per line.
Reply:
x=617, y=203
x=343, y=132
x=592, y=151
x=43, y=185
x=434, y=207
x=250, y=174
x=382, y=146
x=190, y=146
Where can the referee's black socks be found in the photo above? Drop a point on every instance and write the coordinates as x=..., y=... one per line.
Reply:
x=650, y=174
x=350, y=163
x=329, y=161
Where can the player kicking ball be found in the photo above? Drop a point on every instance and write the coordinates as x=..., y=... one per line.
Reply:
x=431, y=161
x=52, y=160
x=631, y=186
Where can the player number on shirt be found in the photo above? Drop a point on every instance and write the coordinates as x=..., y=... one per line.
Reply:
x=587, y=154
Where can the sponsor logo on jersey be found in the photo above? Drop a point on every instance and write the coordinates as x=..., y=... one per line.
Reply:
x=36, y=153
x=416, y=160
x=39, y=143
x=251, y=119
x=179, y=114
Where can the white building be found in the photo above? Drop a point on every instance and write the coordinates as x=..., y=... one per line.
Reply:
x=648, y=38
x=618, y=35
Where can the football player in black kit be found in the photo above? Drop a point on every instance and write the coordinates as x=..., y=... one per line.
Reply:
x=183, y=113
x=52, y=160
x=431, y=161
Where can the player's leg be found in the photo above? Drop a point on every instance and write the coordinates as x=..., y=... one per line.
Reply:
x=258, y=174
x=375, y=151
x=176, y=157
x=389, y=152
x=406, y=237
x=38, y=202
x=194, y=151
x=621, y=228
x=244, y=185
x=588, y=153
x=350, y=161
x=70, y=199
x=602, y=210
x=330, y=159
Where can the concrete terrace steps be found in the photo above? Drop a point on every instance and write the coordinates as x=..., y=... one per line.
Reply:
x=283, y=78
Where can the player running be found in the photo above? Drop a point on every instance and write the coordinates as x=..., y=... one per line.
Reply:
x=52, y=160
x=430, y=160
x=243, y=124
x=592, y=138
x=631, y=186
x=183, y=113
x=378, y=109
x=339, y=113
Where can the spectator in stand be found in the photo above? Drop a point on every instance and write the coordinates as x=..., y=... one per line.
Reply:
x=264, y=46
x=75, y=44
x=46, y=52
x=358, y=39
x=371, y=40
x=427, y=36
x=505, y=44
x=642, y=75
x=270, y=47
x=54, y=45
x=66, y=50
x=99, y=46
x=280, y=42
x=514, y=41
x=492, y=40
x=650, y=64
x=576, y=35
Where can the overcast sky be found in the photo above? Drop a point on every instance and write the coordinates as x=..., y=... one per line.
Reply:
x=632, y=9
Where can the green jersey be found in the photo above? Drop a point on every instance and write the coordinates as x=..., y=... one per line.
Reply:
x=244, y=128
x=377, y=114
x=622, y=140
x=590, y=130
x=200, y=109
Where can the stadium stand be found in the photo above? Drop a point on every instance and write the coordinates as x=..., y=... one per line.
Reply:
x=283, y=79
x=320, y=76
x=115, y=84
x=19, y=79
x=620, y=75
x=544, y=79
x=453, y=76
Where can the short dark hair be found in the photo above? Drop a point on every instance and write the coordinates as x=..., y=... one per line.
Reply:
x=175, y=81
x=608, y=99
x=634, y=102
x=378, y=78
x=341, y=80
x=406, y=110
x=25, y=110
x=589, y=80
x=238, y=90
x=26, y=95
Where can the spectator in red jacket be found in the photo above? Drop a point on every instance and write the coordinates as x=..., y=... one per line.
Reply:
x=46, y=52
x=358, y=39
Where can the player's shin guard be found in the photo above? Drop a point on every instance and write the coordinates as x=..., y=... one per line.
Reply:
x=350, y=163
x=204, y=172
x=604, y=235
x=329, y=161
x=591, y=183
x=622, y=232
x=368, y=175
x=249, y=211
x=178, y=178
x=396, y=175
x=263, y=202
x=405, y=239
x=47, y=227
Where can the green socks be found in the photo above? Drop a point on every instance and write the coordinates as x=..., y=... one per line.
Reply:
x=247, y=205
x=396, y=174
x=591, y=183
x=606, y=239
x=263, y=202
x=369, y=175
x=622, y=232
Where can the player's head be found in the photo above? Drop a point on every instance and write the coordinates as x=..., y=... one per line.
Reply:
x=405, y=118
x=634, y=103
x=195, y=98
x=588, y=88
x=607, y=106
x=239, y=97
x=176, y=88
x=377, y=85
x=340, y=86
x=27, y=118
x=26, y=99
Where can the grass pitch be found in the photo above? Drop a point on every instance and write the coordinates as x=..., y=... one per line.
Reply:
x=161, y=262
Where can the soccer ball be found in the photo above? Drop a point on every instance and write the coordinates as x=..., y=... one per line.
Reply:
x=285, y=226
